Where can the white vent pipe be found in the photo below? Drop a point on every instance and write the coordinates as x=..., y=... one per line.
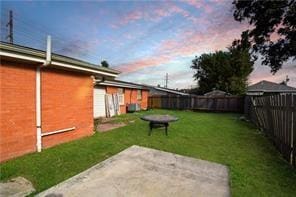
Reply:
x=38, y=94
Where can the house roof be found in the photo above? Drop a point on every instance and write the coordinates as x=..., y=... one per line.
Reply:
x=267, y=86
x=30, y=54
x=215, y=93
x=169, y=90
x=118, y=83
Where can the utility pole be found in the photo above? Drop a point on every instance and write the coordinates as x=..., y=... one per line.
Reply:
x=287, y=79
x=10, y=25
x=166, y=80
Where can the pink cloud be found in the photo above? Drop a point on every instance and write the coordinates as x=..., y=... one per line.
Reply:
x=164, y=10
x=217, y=34
x=151, y=13
x=263, y=73
x=191, y=44
x=142, y=63
x=200, y=5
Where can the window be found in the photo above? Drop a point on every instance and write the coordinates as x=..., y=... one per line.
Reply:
x=139, y=95
x=120, y=96
x=120, y=91
x=121, y=99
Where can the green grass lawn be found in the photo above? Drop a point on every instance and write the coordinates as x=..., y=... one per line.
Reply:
x=256, y=168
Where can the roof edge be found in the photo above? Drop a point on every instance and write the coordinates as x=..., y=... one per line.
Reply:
x=117, y=83
x=39, y=54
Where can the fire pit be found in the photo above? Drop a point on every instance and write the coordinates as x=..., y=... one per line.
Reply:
x=158, y=121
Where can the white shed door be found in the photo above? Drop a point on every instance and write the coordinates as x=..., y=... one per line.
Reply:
x=99, y=102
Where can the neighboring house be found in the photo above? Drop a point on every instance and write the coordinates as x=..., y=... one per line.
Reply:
x=216, y=93
x=44, y=102
x=153, y=91
x=128, y=93
x=267, y=87
x=264, y=88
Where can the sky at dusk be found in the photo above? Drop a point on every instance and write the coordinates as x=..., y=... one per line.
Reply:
x=143, y=39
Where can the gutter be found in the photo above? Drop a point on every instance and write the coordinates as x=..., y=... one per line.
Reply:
x=118, y=84
x=25, y=53
x=57, y=64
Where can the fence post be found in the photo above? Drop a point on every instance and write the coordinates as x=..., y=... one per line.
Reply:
x=269, y=117
x=257, y=119
x=293, y=130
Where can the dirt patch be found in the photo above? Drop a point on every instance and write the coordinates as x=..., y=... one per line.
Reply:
x=109, y=126
x=104, y=120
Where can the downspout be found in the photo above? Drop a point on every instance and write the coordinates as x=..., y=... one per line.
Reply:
x=38, y=94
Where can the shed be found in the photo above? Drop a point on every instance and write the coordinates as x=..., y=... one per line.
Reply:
x=214, y=93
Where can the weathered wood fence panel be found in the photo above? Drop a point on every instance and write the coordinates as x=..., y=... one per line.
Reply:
x=222, y=104
x=275, y=116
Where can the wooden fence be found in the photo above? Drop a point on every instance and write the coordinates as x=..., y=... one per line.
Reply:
x=276, y=116
x=219, y=104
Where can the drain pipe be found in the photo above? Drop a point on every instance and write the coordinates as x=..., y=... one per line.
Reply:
x=38, y=94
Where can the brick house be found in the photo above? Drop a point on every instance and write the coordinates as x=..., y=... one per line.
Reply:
x=129, y=93
x=44, y=103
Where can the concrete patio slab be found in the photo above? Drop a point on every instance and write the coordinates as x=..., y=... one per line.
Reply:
x=139, y=171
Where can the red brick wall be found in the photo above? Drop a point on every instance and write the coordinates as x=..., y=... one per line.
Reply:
x=17, y=114
x=128, y=93
x=130, y=96
x=144, y=102
x=67, y=101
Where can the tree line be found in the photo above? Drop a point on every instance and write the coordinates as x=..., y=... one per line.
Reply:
x=229, y=70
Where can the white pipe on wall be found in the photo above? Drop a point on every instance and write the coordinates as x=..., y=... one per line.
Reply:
x=48, y=51
x=38, y=95
x=38, y=109
x=58, y=131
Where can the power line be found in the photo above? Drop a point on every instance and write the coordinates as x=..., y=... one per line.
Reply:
x=60, y=42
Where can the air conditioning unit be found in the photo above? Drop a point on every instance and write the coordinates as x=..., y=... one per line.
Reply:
x=133, y=107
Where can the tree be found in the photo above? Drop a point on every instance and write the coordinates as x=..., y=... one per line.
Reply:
x=223, y=70
x=267, y=18
x=104, y=63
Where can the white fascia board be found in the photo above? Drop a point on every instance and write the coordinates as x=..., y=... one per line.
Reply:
x=82, y=69
x=273, y=91
x=119, y=85
x=40, y=60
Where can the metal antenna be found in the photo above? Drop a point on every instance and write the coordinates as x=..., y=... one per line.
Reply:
x=166, y=80
x=10, y=25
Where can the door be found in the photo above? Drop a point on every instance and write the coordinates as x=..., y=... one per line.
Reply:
x=99, y=102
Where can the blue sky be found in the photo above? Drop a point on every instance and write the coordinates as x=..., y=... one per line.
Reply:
x=143, y=39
